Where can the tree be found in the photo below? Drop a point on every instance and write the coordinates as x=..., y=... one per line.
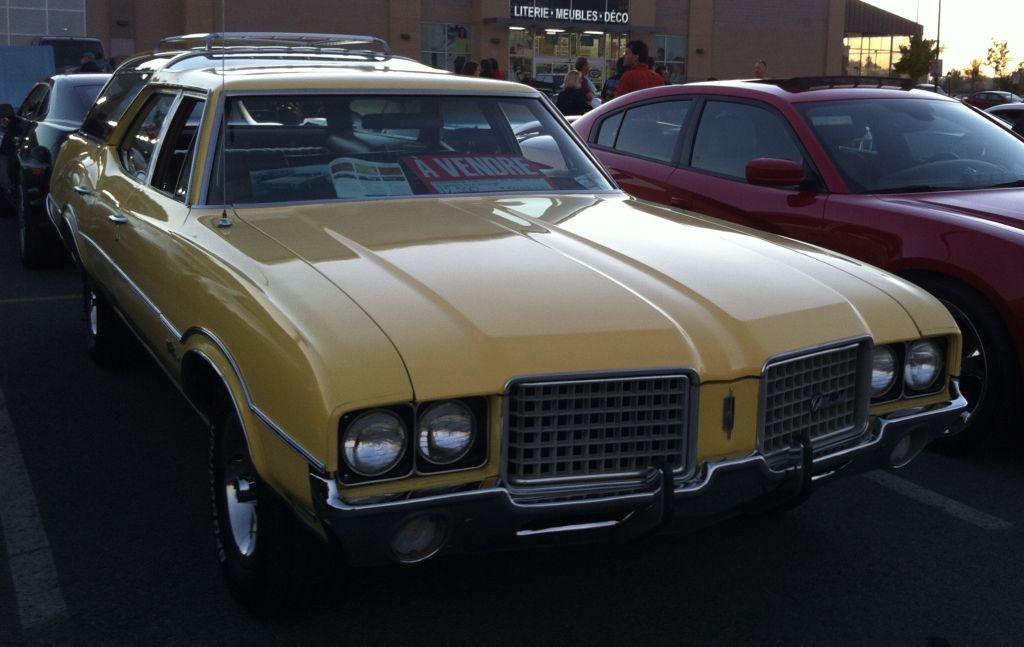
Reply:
x=998, y=58
x=916, y=58
x=974, y=73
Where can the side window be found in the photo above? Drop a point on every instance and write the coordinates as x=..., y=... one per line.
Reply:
x=34, y=105
x=652, y=130
x=174, y=165
x=731, y=134
x=136, y=150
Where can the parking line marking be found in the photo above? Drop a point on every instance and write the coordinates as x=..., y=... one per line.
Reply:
x=59, y=297
x=33, y=571
x=949, y=506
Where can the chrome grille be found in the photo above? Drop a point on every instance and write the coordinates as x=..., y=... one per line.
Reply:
x=820, y=393
x=595, y=427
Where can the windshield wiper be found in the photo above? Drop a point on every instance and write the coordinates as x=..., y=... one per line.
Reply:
x=1007, y=185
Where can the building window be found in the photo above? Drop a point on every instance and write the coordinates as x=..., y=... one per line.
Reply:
x=872, y=56
x=445, y=45
x=21, y=20
x=670, y=51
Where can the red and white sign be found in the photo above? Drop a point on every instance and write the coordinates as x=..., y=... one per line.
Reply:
x=477, y=173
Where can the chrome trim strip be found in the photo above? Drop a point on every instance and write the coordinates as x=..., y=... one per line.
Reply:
x=571, y=528
x=264, y=418
x=273, y=426
x=135, y=288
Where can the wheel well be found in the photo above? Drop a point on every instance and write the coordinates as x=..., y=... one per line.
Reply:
x=924, y=276
x=920, y=277
x=204, y=387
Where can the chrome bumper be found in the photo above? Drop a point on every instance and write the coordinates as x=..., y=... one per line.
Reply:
x=496, y=518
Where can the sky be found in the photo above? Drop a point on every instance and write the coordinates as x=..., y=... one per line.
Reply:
x=967, y=27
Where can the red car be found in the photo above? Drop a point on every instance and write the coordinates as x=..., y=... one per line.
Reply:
x=910, y=181
x=989, y=98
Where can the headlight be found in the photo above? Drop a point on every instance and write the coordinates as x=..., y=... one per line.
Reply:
x=445, y=432
x=883, y=370
x=923, y=365
x=374, y=442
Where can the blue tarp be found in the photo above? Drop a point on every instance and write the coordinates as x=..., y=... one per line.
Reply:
x=20, y=68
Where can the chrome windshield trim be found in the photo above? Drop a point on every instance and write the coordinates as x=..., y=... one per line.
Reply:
x=259, y=413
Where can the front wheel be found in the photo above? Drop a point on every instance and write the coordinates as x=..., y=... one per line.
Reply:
x=107, y=337
x=269, y=562
x=989, y=374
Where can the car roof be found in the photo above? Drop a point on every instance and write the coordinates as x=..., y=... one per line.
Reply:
x=805, y=89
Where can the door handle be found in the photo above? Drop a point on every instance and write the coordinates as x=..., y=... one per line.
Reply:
x=117, y=218
x=678, y=201
x=81, y=190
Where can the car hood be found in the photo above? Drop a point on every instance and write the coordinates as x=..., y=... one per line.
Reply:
x=473, y=291
x=994, y=205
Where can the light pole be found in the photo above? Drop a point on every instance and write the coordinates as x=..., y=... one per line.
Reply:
x=938, y=52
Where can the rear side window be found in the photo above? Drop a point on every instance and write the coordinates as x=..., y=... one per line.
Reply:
x=115, y=98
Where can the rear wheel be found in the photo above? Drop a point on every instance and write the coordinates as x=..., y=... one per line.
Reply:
x=269, y=561
x=989, y=375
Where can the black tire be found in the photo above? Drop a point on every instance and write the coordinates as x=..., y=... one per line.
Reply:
x=990, y=375
x=107, y=338
x=38, y=243
x=271, y=564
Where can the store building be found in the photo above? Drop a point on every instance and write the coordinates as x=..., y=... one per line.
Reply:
x=696, y=39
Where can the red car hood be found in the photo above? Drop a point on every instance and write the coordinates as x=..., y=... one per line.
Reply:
x=995, y=205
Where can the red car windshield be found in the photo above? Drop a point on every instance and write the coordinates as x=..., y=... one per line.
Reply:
x=908, y=145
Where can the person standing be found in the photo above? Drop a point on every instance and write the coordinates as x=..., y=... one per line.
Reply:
x=611, y=84
x=498, y=74
x=638, y=75
x=88, y=64
x=760, y=69
x=583, y=67
x=572, y=100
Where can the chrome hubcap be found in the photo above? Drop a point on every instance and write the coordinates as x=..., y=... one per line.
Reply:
x=239, y=485
x=90, y=310
x=974, y=369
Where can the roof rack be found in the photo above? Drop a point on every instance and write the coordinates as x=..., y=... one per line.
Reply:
x=279, y=41
x=817, y=82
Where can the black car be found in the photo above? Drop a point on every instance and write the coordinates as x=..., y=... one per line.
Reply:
x=29, y=141
x=1010, y=113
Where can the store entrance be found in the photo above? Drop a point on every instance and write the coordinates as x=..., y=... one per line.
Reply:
x=546, y=55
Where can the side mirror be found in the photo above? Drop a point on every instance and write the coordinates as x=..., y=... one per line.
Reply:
x=6, y=111
x=766, y=171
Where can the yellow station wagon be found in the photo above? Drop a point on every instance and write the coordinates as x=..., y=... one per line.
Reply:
x=420, y=318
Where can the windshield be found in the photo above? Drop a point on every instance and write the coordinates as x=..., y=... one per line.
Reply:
x=280, y=148
x=906, y=145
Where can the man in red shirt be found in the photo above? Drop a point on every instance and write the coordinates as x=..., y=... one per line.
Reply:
x=638, y=76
